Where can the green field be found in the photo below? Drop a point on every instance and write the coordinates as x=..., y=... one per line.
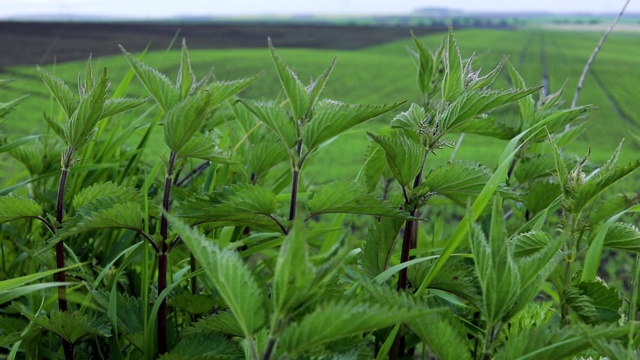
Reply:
x=387, y=74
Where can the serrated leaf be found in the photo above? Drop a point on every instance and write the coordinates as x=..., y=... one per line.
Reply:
x=404, y=156
x=555, y=343
x=192, y=303
x=99, y=191
x=601, y=182
x=224, y=90
x=623, y=236
x=13, y=208
x=606, y=300
x=186, y=78
x=453, y=82
x=104, y=215
x=533, y=168
x=299, y=99
x=205, y=147
x=458, y=181
x=332, y=118
x=184, y=119
x=373, y=168
x=426, y=67
x=264, y=155
x=379, y=245
x=483, y=82
x=489, y=126
x=116, y=106
x=204, y=346
x=337, y=320
x=496, y=270
x=294, y=274
x=316, y=87
x=224, y=322
x=540, y=195
x=129, y=315
x=526, y=105
x=83, y=120
x=158, y=85
x=473, y=103
x=347, y=197
x=276, y=118
x=230, y=275
x=411, y=121
x=445, y=335
x=530, y=243
x=71, y=326
x=60, y=91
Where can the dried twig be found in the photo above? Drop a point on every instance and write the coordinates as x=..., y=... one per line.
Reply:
x=593, y=57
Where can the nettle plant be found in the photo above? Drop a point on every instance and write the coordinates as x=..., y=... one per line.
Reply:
x=457, y=261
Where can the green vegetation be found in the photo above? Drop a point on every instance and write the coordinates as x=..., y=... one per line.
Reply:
x=202, y=218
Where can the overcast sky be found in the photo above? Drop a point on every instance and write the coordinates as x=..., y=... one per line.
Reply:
x=171, y=8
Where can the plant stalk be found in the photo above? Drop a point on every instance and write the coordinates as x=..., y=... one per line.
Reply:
x=163, y=257
x=297, y=166
x=61, y=276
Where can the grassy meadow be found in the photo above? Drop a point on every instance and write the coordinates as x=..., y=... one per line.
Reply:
x=386, y=73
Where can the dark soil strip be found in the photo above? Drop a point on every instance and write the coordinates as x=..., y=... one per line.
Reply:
x=28, y=43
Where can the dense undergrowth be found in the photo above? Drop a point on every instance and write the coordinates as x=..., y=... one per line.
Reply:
x=219, y=246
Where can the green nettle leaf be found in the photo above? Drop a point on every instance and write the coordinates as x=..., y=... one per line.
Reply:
x=533, y=168
x=336, y=320
x=264, y=155
x=526, y=105
x=186, y=78
x=158, y=85
x=223, y=90
x=474, y=103
x=530, y=243
x=540, y=195
x=224, y=322
x=184, y=119
x=104, y=215
x=98, y=191
x=444, y=334
x=204, y=346
x=412, y=121
x=373, y=168
x=427, y=66
x=294, y=274
x=602, y=181
x=332, y=118
x=230, y=275
x=556, y=343
x=623, y=236
x=129, y=315
x=315, y=87
x=379, y=245
x=193, y=303
x=404, y=156
x=347, y=197
x=82, y=122
x=116, y=106
x=595, y=302
x=457, y=277
x=453, y=82
x=71, y=326
x=276, y=118
x=489, y=126
x=476, y=82
x=299, y=99
x=60, y=91
x=13, y=208
x=497, y=272
x=205, y=147
x=458, y=181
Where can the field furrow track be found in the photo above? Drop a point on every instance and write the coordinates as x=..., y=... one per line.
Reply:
x=614, y=103
x=544, y=81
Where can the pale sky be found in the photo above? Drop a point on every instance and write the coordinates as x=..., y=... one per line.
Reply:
x=170, y=8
